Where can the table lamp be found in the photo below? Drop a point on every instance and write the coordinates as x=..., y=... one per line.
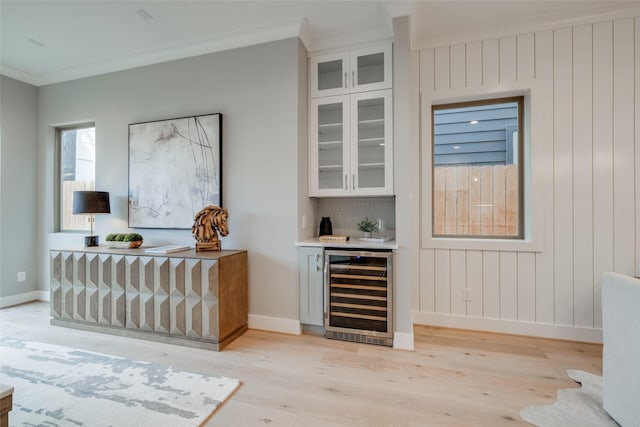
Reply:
x=91, y=203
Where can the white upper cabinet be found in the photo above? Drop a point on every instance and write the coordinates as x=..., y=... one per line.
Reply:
x=371, y=143
x=329, y=146
x=357, y=70
x=351, y=150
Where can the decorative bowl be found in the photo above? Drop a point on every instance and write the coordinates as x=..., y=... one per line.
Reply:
x=124, y=245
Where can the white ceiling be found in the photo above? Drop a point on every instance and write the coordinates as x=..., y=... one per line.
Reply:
x=49, y=41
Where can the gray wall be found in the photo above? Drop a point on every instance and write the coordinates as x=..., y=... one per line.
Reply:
x=259, y=92
x=18, y=186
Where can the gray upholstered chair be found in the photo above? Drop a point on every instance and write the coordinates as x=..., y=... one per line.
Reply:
x=621, y=348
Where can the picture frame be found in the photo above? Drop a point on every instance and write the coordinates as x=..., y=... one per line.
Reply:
x=175, y=170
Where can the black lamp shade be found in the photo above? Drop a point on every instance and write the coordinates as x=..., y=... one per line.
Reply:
x=91, y=202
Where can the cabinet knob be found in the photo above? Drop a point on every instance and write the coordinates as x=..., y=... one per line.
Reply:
x=345, y=182
x=354, y=181
x=353, y=78
x=345, y=79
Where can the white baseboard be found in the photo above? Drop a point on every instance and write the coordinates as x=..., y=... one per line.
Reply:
x=543, y=330
x=23, y=298
x=403, y=341
x=275, y=324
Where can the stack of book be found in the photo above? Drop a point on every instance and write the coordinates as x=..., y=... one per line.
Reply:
x=333, y=239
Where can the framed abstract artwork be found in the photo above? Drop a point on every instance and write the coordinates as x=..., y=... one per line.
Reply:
x=175, y=170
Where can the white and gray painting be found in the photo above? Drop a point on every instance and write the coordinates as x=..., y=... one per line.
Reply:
x=174, y=170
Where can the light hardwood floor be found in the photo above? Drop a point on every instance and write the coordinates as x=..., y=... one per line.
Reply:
x=454, y=378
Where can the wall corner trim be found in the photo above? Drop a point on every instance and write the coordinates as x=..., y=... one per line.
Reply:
x=403, y=341
x=275, y=324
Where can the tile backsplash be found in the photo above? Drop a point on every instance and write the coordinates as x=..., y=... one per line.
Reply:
x=345, y=213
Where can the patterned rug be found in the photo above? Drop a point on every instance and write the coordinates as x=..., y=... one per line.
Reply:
x=60, y=386
x=579, y=407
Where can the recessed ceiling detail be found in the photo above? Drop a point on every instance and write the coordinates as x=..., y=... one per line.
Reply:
x=36, y=42
x=144, y=14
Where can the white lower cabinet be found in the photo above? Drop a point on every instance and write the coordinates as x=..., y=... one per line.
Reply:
x=311, y=283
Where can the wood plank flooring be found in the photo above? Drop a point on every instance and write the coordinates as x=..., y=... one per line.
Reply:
x=453, y=378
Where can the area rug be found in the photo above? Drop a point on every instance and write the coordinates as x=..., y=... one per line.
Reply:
x=60, y=386
x=580, y=407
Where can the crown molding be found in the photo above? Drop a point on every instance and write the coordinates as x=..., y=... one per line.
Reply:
x=258, y=35
x=16, y=74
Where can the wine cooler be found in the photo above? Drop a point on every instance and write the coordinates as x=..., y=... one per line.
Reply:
x=358, y=303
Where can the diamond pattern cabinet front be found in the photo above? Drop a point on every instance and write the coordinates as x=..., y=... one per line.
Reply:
x=56, y=284
x=201, y=297
x=210, y=292
x=67, y=285
x=104, y=289
x=132, y=291
x=160, y=289
x=111, y=290
x=193, y=297
x=177, y=308
x=92, y=284
x=79, y=283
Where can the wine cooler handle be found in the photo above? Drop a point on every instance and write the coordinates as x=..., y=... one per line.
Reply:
x=325, y=291
x=318, y=262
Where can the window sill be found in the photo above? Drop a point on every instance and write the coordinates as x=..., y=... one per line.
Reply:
x=515, y=245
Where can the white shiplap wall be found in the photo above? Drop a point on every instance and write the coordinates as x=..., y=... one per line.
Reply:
x=584, y=89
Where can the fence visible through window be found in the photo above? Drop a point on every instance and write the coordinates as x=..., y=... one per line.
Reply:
x=77, y=170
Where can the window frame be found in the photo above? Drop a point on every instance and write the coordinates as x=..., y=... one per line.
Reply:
x=58, y=170
x=538, y=180
x=520, y=101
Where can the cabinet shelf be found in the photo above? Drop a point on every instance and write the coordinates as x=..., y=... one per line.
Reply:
x=371, y=142
x=329, y=168
x=330, y=125
x=372, y=121
x=371, y=124
x=371, y=165
x=330, y=145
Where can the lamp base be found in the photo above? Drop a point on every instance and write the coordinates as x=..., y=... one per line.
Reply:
x=91, y=241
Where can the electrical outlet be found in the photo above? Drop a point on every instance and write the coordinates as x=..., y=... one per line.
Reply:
x=304, y=222
x=466, y=294
x=22, y=276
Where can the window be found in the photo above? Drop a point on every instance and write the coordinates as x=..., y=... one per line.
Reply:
x=478, y=169
x=77, y=156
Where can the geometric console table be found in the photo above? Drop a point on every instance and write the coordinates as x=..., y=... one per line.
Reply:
x=198, y=299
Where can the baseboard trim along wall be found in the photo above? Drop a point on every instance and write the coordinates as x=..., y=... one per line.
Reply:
x=541, y=330
x=23, y=298
x=275, y=324
x=403, y=341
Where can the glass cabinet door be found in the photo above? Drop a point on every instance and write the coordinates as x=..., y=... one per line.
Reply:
x=371, y=68
x=329, y=75
x=330, y=156
x=371, y=144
